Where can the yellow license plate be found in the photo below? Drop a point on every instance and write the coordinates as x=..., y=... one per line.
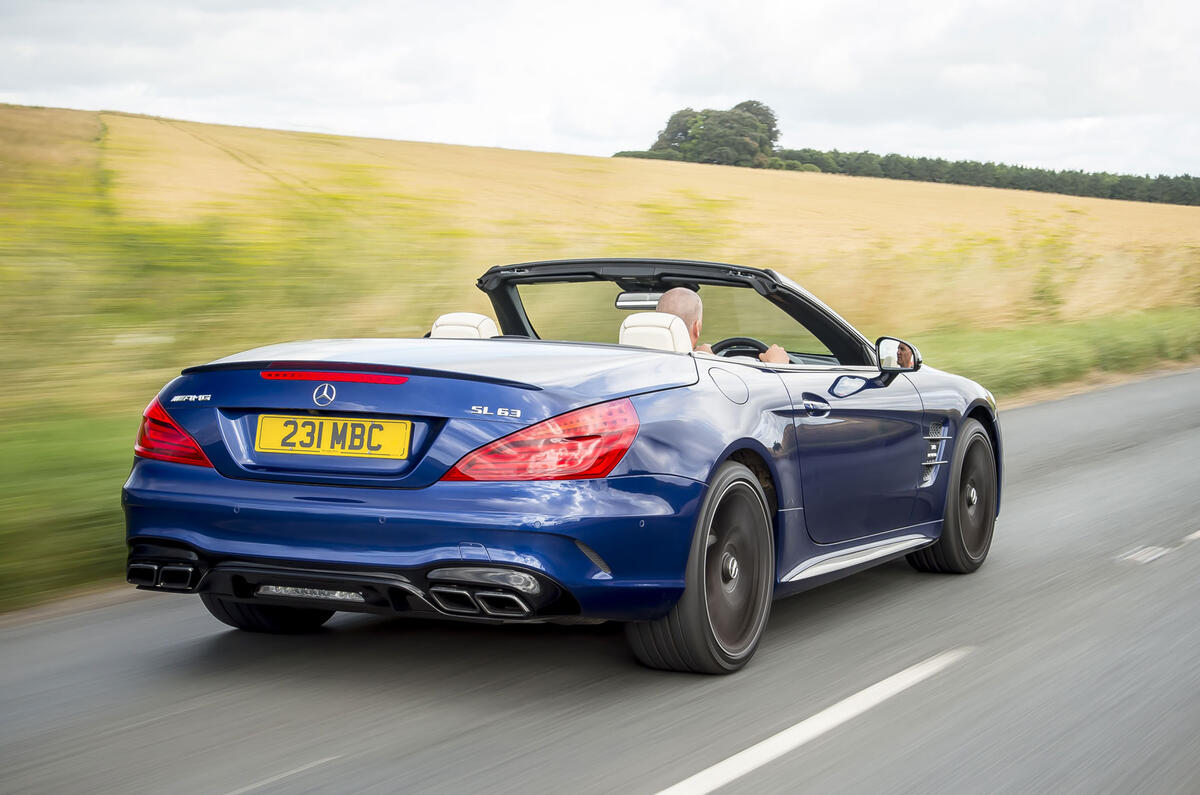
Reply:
x=345, y=436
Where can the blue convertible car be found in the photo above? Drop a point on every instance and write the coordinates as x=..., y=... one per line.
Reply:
x=577, y=459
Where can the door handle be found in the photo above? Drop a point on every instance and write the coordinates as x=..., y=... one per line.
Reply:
x=814, y=406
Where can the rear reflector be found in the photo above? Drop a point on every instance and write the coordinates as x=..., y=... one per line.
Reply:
x=316, y=375
x=585, y=443
x=161, y=438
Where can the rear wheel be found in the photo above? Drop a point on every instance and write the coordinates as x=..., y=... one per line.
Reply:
x=970, y=514
x=275, y=619
x=717, y=623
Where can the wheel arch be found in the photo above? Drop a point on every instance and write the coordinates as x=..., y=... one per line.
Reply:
x=757, y=464
x=749, y=455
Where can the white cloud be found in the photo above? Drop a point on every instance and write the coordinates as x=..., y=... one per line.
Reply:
x=1097, y=85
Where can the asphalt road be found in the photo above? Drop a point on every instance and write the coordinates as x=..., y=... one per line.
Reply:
x=1073, y=666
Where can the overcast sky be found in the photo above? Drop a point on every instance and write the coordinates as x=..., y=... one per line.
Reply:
x=1111, y=86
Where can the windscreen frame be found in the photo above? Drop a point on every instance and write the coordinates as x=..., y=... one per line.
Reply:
x=845, y=342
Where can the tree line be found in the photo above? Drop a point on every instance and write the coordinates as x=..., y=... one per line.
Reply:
x=746, y=135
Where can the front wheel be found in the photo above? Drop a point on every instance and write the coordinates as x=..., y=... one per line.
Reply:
x=274, y=619
x=970, y=515
x=729, y=582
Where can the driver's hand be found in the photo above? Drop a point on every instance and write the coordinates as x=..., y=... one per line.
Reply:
x=705, y=348
x=775, y=355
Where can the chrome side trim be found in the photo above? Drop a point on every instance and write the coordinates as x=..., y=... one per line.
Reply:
x=844, y=559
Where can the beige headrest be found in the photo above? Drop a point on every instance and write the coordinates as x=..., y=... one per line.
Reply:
x=656, y=330
x=464, y=326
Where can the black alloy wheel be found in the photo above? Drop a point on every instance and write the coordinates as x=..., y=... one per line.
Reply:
x=718, y=622
x=732, y=580
x=977, y=499
x=970, y=516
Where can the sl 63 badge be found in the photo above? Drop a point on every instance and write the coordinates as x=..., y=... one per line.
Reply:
x=500, y=412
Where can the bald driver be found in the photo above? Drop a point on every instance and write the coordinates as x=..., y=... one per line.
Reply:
x=687, y=306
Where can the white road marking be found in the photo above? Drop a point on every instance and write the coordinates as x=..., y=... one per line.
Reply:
x=285, y=774
x=1145, y=554
x=809, y=729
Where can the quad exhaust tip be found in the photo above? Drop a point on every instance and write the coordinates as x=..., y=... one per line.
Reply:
x=176, y=578
x=502, y=605
x=496, y=604
x=454, y=600
x=142, y=574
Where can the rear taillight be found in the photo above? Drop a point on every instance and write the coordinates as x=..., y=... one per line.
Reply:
x=161, y=438
x=585, y=443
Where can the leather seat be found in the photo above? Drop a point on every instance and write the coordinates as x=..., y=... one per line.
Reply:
x=464, y=326
x=659, y=330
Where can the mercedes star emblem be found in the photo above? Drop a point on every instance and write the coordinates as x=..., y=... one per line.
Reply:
x=324, y=394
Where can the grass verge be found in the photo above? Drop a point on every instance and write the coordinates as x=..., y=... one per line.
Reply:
x=1012, y=360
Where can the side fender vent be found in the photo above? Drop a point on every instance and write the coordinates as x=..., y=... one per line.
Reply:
x=935, y=451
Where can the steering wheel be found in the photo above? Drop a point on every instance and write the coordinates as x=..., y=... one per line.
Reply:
x=739, y=346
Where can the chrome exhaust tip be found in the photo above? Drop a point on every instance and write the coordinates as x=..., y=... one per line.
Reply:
x=142, y=574
x=453, y=600
x=502, y=605
x=178, y=578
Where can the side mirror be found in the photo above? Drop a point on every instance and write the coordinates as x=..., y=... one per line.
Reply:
x=897, y=356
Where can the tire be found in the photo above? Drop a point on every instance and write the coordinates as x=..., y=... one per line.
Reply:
x=970, y=515
x=716, y=625
x=274, y=619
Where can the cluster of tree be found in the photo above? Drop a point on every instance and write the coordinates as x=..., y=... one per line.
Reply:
x=746, y=135
x=1183, y=189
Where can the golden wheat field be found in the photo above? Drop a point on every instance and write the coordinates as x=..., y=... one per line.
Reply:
x=133, y=246
x=905, y=254
x=386, y=234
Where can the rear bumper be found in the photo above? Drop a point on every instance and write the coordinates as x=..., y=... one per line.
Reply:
x=477, y=592
x=388, y=541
